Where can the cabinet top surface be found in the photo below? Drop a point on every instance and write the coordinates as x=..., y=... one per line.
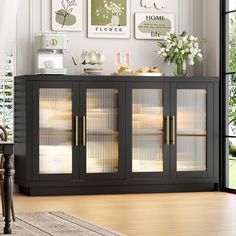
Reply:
x=85, y=78
x=6, y=143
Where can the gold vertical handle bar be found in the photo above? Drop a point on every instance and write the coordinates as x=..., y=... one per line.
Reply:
x=167, y=129
x=84, y=131
x=76, y=131
x=173, y=130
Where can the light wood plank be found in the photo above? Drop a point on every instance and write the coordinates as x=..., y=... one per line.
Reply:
x=179, y=214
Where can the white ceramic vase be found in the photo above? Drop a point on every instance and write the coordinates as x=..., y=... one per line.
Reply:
x=115, y=20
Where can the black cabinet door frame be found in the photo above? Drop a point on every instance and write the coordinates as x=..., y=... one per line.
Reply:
x=210, y=131
x=165, y=87
x=121, y=126
x=37, y=85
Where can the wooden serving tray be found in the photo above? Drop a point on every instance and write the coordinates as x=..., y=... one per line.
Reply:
x=136, y=74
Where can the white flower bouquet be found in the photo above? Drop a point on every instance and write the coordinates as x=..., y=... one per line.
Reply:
x=110, y=8
x=179, y=49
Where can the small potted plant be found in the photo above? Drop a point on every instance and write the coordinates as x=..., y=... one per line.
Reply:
x=180, y=49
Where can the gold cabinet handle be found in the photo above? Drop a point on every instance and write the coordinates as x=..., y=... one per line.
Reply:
x=173, y=130
x=84, y=131
x=76, y=131
x=167, y=129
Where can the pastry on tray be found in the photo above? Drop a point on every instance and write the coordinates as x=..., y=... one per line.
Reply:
x=147, y=70
x=124, y=70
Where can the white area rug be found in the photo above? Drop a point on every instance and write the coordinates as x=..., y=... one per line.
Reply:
x=56, y=223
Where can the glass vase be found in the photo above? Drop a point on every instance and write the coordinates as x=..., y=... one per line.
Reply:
x=180, y=69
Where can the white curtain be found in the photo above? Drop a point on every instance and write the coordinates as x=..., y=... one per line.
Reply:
x=7, y=23
x=7, y=32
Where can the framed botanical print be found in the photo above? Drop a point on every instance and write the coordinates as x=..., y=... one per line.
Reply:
x=109, y=18
x=67, y=15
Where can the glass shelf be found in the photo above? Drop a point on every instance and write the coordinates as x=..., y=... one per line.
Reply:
x=191, y=132
x=147, y=131
x=102, y=132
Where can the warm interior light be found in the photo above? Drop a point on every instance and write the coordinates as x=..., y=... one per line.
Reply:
x=147, y=130
x=55, y=131
x=102, y=131
x=191, y=129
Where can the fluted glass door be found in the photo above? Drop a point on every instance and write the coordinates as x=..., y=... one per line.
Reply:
x=191, y=130
x=147, y=130
x=102, y=130
x=55, y=131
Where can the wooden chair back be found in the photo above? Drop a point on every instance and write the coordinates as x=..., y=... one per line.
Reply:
x=3, y=137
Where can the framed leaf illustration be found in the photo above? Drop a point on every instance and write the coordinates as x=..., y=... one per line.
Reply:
x=109, y=18
x=67, y=15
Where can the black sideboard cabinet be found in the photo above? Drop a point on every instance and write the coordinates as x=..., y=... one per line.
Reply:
x=104, y=134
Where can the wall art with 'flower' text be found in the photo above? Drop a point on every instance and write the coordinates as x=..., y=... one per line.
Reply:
x=67, y=15
x=109, y=18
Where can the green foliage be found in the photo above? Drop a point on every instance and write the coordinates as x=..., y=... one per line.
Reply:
x=6, y=98
x=232, y=68
x=65, y=19
x=232, y=149
x=64, y=16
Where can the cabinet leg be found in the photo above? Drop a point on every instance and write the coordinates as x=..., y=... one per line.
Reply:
x=217, y=187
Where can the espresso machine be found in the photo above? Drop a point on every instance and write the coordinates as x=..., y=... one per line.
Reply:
x=49, y=53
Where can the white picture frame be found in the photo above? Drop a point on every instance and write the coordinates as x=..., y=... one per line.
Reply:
x=153, y=25
x=103, y=24
x=67, y=15
x=158, y=4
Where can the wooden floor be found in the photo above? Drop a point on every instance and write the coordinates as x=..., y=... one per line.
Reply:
x=179, y=214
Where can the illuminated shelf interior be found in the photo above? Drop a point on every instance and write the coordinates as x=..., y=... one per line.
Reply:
x=191, y=130
x=55, y=131
x=102, y=131
x=151, y=166
x=147, y=130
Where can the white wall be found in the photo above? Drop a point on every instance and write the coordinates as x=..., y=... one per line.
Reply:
x=199, y=17
x=211, y=31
